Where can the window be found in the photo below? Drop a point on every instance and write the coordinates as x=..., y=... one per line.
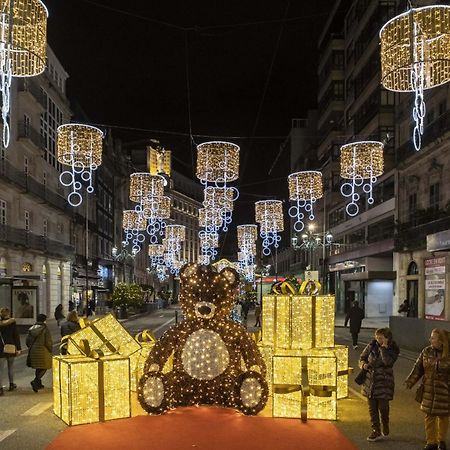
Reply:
x=412, y=268
x=50, y=121
x=44, y=178
x=442, y=108
x=45, y=228
x=434, y=196
x=412, y=203
x=387, y=97
x=26, y=124
x=27, y=220
x=3, y=210
x=338, y=89
x=25, y=165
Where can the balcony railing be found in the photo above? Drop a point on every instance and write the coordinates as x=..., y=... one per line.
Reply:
x=27, y=85
x=26, y=239
x=25, y=130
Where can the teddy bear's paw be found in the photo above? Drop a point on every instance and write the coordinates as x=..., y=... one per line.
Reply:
x=250, y=392
x=151, y=392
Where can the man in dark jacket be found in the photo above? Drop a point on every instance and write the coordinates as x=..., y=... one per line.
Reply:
x=8, y=335
x=355, y=316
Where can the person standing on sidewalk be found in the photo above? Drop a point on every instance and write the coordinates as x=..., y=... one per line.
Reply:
x=355, y=316
x=59, y=316
x=8, y=335
x=433, y=366
x=258, y=311
x=378, y=359
x=39, y=343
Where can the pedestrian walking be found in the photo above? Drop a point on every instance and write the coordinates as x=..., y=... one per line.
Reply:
x=68, y=327
x=39, y=343
x=245, y=308
x=59, y=316
x=378, y=359
x=258, y=311
x=433, y=367
x=9, y=347
x=355, y=316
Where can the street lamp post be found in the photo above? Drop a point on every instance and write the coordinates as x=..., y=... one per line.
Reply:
x=310, y=242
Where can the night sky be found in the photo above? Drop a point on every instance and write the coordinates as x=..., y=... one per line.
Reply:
x=250, y=72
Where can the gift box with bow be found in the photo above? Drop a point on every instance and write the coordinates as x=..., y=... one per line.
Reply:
x=92, y=387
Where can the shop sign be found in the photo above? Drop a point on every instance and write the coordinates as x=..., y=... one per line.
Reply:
x=438, y=241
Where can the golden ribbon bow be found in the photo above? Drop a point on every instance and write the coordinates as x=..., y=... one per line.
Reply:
x=256, y=336
x=145, y=336
x=85, y=348
x=310, y=287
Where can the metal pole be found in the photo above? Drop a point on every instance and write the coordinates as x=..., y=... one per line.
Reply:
x=276, y=263
x=325, y=290
x=87, y=254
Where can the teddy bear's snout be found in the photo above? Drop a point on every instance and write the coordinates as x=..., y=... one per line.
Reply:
x=205, y=310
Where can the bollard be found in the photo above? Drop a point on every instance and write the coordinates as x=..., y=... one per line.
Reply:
x=176, y=316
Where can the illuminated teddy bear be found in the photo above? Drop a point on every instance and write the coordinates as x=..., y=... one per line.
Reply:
x=209, y=351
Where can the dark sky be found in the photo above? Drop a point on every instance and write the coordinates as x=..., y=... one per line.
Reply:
x=250, y=73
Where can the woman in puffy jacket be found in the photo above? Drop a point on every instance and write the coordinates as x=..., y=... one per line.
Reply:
x=378, y=359
x=433, y=365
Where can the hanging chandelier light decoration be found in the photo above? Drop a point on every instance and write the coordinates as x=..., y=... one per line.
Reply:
x=305, y=188
x=217, y=165
x=415, y=56
x=269, y=215
x=175, y=235
x=361, y=164
x=210, y=219
x=133, y=223
x=156, y=210
x=208, y=246
x=156, y=254
x=247, y=236
x=23, y=48
x=144, y=186
x=79, y=147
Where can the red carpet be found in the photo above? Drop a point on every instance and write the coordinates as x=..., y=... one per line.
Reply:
x=203, y=428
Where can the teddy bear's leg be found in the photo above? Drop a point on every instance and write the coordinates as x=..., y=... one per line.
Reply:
x=250, y=392
x=152, y=392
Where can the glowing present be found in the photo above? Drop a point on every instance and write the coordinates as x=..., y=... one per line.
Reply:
x=109, y=336
x=89, y=390
x=298, y=321
x=305, y=387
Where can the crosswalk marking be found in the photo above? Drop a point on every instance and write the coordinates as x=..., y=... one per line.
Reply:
x=6, y=433
x=164, y=324
x=37, y=409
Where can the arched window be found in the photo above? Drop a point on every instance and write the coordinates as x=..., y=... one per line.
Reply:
x=412, y=268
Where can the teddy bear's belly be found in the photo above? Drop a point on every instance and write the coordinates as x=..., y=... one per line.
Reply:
x=205, y=355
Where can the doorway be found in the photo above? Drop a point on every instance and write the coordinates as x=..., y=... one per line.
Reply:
x=412, y=294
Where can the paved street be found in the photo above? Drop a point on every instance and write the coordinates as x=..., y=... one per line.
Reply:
x=27, y=420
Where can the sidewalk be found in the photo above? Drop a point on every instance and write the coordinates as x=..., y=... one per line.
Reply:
x=368, y=322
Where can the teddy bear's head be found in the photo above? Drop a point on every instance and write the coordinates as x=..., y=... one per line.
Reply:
x=206, y=293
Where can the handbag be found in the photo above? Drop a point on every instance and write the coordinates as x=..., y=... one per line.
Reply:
x=361, y=377
x=9, y=349
x=419, y=393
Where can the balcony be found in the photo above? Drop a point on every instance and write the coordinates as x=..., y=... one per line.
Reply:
x=412, y=235
x=24, y=239
x=31, y=87
x=26, y=131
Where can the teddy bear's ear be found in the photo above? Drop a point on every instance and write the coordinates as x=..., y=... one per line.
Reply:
x=231, y=275
x=188, y=271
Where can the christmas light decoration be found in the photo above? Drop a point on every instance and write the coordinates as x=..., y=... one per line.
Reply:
x=175, y=235
x=143, y=186
x=305, y=188
x=133, y=223
x=361, y=163
x=269, y=215
x=415, y=56
x=208, y=349
x=80, y=147
x=247, y=236
x=217, y=162
x=23, y=48
x=87, y=390
x=156, y=210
